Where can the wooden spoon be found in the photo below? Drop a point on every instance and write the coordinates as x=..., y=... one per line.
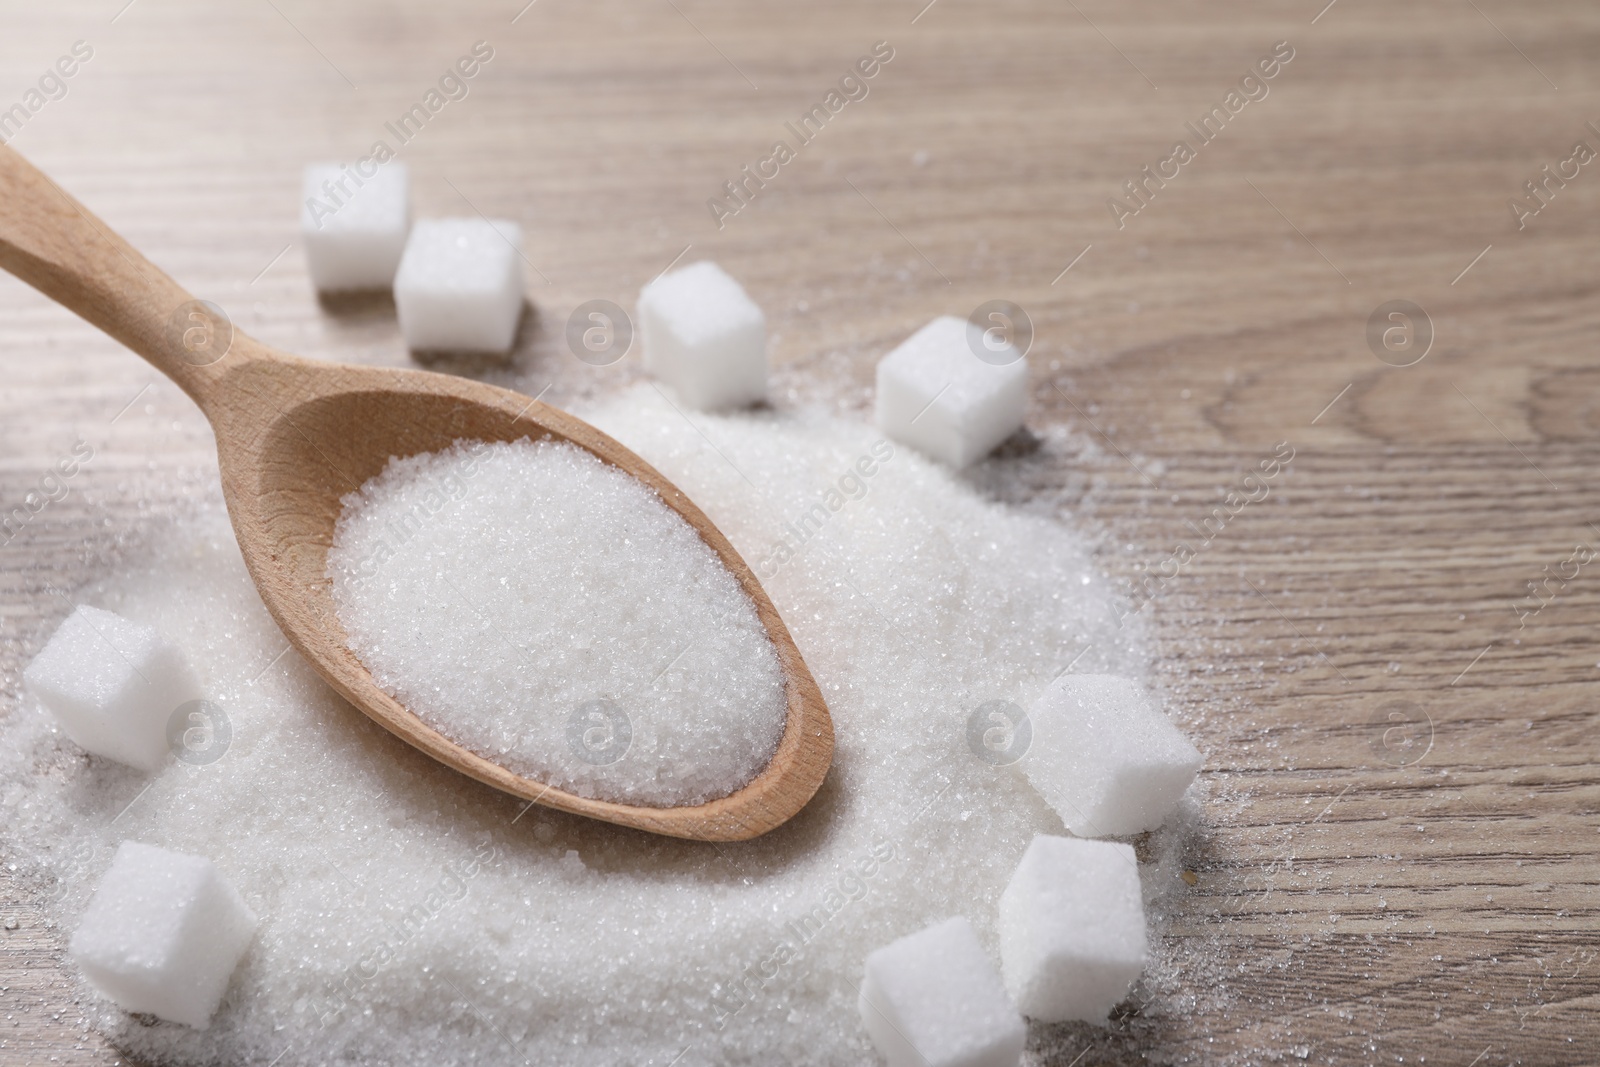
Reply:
x=294, y=435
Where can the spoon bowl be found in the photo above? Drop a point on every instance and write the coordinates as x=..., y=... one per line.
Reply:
x=295, y=435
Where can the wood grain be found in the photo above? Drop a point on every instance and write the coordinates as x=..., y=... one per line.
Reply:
x=1351, y=904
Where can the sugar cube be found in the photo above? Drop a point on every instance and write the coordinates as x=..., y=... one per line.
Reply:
x=704, y=337
x=459, y=287
x=163, y=934
x=937, y=396
x=113, y=684
x=933, y=999
x=1072, y=937
x=354, y=233
x=1105, y=757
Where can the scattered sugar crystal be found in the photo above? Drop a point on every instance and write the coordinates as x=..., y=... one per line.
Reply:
x=704, y=337
x=459, y=286
x=162, y=934
x=937, y=396
x=932, y=999
x=1105, y=757
x=354, y=234
x=1072, y=937
x=414, y=917
x=113, y=684
x=580, y=632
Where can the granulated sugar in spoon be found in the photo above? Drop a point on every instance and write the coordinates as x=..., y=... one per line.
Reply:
x=295, y=436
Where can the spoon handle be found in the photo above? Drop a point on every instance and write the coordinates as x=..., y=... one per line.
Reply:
x=53, y=243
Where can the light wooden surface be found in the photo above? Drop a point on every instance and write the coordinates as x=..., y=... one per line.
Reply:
x=1352, y=904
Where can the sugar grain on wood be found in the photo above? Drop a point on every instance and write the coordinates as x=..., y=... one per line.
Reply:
x=411, y=916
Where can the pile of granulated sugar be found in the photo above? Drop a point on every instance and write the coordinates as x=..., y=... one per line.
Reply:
x=578, y=631
x=411, y=916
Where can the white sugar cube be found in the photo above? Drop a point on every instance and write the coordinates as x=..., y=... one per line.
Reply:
x=933, y=999
x=354, y=234
x=162, y=934
x=113, y=684
x=459, y=287
x=937, y=396
x=705, y=337
x=1105, y=757
x=1072, y=937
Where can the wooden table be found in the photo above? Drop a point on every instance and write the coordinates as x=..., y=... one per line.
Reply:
x=1401, y=775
